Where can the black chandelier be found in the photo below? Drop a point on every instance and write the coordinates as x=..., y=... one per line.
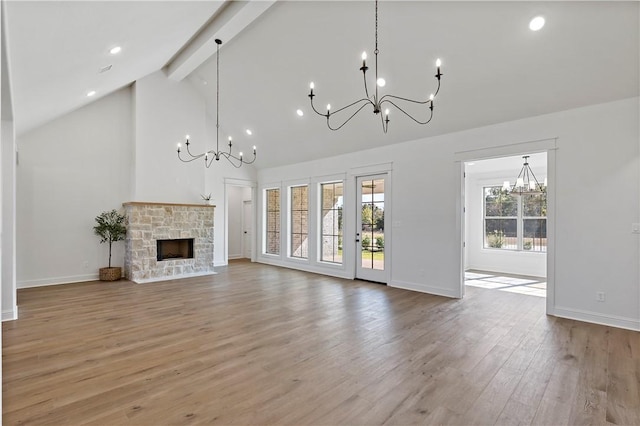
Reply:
x=526, y=182
x=216, y=154
x=376, y=101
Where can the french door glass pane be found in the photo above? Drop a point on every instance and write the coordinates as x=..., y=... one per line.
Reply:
x=372, y=232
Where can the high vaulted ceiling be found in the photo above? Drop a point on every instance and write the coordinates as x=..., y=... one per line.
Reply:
x=495, y=69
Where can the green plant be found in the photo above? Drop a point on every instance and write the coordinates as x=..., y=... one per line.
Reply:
x=110, y=227
x=380, y=242
x=527, y=245
x=496, y=239
x=366, y=242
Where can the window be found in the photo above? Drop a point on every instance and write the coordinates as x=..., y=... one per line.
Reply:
x=515, y=222
x=299, y=222
x=272, y=240
x=331, y=222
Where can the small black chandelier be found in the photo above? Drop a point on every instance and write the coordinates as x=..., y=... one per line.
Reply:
x=216, y=154
x=526, y=182
x=376, y=101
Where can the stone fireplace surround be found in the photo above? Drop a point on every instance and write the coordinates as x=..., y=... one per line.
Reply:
x=149, y=222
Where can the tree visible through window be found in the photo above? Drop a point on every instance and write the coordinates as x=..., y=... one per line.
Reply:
x=331, y=220
x=513, y=221
x=299, y=222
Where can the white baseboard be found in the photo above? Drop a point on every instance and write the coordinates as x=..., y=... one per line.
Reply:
x=174, y=277
x=596, y=318
x=424, y=288
x=218, y=263
x=235, y=256
x=331, y=271
x=57, y=280
x=10, y=315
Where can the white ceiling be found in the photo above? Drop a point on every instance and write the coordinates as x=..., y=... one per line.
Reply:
x=495, y=69
x=56, y=49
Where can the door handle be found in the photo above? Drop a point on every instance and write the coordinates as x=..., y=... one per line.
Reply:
x=245, y=232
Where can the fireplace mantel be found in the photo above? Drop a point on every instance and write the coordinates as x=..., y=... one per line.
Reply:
x=144, y=203
x=148, y=222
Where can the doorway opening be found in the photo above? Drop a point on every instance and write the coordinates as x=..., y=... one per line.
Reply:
x=505, y=231
x=240, y=222
x=372, y=259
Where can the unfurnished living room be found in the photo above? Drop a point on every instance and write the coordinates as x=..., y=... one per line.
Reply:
x=320, y=212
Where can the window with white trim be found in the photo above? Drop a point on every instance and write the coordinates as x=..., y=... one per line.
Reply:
x=299, y=222
x=331, y=204
x=513, y=221
x=272, y=221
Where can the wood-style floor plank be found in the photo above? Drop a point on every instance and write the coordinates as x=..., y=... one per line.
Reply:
x=257, y=344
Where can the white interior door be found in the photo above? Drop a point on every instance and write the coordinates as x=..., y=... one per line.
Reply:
x=372, y=260
x=247, y=219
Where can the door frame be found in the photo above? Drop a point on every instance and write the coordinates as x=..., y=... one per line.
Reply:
x=229, y=182
x=521, y=148
x=350, y=219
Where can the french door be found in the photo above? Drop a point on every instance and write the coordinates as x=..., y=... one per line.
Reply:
x=372, y=259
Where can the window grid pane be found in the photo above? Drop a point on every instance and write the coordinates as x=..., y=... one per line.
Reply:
x=505, y=213
x=273, y=221
x=299, y=222
x=331, y=232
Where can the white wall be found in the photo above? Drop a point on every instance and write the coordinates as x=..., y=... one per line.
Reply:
x=9, y=296
x=598, y=153
x=70, y=170
x=496, y=260
x=164, y=112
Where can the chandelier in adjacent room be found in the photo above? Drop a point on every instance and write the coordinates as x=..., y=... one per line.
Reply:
x=377, y=102
x=526, y=182
x=216, y=154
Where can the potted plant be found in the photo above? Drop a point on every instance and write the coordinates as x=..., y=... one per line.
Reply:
x=110, y=227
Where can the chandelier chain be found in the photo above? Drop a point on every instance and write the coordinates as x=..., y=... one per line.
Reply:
x=217, y=98
x=376, y=51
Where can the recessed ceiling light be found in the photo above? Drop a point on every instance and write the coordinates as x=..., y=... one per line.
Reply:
x=300, y=113
x=249, y=132
x=471, y=164
x=115, y=50
x=91, y=93
x=536, y=23
x=381, y=82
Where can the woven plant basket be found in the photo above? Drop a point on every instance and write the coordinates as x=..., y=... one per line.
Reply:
x=110, y=274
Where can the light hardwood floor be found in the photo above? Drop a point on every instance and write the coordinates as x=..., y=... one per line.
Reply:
x=257, y=344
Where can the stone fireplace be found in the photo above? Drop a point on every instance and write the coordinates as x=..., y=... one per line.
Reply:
x=168, y=241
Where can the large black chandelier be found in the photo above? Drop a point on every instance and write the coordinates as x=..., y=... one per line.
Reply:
x=376, y=101
x=216, y=154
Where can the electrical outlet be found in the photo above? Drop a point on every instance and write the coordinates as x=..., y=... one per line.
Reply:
x=635, y=228
x=85, y=264
x=600, y=296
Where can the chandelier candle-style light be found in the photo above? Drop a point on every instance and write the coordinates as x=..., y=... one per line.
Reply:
x=526, y=182
x=375, y=100
x=216, y=154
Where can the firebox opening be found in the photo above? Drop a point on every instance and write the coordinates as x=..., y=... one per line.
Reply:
x=175, y=249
